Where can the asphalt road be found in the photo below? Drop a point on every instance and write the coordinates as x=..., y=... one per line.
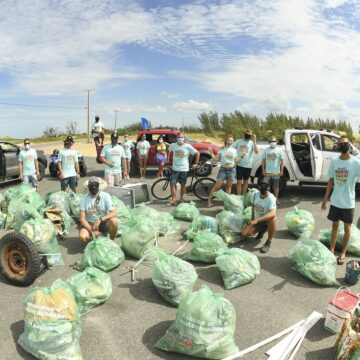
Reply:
x=127, y=326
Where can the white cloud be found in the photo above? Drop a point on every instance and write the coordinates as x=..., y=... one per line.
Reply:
x=169, y=95
x=192, y=106
x=127, y=107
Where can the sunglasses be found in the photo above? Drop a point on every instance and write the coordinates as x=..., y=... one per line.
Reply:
x=27, y=143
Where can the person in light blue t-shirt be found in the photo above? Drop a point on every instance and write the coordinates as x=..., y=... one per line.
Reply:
x=343, y=172
x=180, y=165
x=273, y=165
x=263, y=216
x=128, y=146
x=246, y=148
x=143, y=147
x=28, y=165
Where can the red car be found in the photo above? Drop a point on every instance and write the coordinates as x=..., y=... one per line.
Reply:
x=169, y=136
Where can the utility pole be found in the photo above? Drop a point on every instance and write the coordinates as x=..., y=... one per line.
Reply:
x=116, y=111
x=88, y=113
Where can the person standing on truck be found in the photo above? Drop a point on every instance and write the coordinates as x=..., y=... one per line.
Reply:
x=273, y=165
x=68, y=166
x=28, y=165
x=97, y=213
x=113, y=156
x=97, y=131
x=246, y=148
x=180, y=168
x=343, y=171
x=127, y=145
x=263, y=216
x=160, y=155
x=227, y=155
x=143, y=147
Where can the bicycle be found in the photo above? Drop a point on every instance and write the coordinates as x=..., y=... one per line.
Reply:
x=202, y=186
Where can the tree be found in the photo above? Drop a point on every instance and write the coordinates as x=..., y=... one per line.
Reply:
x=72, y=128
x=51, y=131
x=210, y=122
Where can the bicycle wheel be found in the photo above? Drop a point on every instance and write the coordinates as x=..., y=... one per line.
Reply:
x=160, y=189
x=202, y=187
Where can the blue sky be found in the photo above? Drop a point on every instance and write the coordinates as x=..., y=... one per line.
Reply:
x=168, y=61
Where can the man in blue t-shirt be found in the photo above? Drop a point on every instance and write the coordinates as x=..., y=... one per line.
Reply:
x=343, y=171
x=97, y=213
x=263, y=216
x=28, y=165
x=180, y=165
x=273, y=165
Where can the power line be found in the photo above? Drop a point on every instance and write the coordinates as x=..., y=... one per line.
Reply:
x=43, y=106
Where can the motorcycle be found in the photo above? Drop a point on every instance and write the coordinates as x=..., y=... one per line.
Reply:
x=54, y=159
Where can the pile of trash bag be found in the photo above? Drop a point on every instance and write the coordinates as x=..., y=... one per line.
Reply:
x=60, y=218
x=172, y=277
x=23, y=213
x=353, y=246
x=206, y=247
x=42, y=233
x=91, y=288
x=249, y=196
x=52, y=323
x=202, y=223
x=123, y=212
x=204, y=326
x=59, y=199
x=234, y=203
x=25, y=194
x=186, y=211
x=300, y=223
x=247, y=213
x=102, y=253
x=237, y=267
x=74, y=204
x=2, y=220
x=230, y=226
x=314, y=261
x=138, y=236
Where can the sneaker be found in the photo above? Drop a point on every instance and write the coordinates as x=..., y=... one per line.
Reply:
x=260, y=235
x=266, y=247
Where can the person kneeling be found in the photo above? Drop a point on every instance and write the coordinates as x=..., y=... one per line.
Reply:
x=263, y=218
x=97, y=213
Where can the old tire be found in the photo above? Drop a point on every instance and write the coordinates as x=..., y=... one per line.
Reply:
x=41, y=171
x=203, y=169
x=19, y=259
x=52, y=170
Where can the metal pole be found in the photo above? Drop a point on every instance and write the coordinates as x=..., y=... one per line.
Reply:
x=88, y=116
x=116, y=111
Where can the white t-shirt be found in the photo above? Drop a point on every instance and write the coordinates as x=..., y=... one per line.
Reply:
x=98, y=127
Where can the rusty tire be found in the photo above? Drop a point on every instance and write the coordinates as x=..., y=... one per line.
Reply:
x=19, y=259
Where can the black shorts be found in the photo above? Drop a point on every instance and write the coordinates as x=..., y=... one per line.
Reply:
x=261, y=227
x=345, y=215
x=102, y=227
x=69, y=181
x=242, y=173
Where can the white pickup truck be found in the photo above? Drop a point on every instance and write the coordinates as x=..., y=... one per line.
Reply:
x=307, y=156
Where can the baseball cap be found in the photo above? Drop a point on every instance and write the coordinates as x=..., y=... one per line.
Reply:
x=248, y=131
x=97, y=117
x=94, y=180
x=114, y=136
x=69, y=139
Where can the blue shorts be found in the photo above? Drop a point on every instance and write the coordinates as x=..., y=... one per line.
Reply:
x=31, y=179
x=178, y=177
x=161, y=158
x=273, y=181
x=226, y=174
x=69, y=181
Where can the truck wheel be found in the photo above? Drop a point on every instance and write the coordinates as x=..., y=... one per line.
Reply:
x=83, y=169
x=204, y=169
x=41, y=171
x=283, y=184
x=19, y=259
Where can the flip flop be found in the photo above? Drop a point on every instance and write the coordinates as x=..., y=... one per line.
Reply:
x=341, y=261
x=171, y=204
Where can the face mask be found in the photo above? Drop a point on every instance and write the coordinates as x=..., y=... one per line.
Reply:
x=344, y=147
x=126, y=138
x=247, y=136
x=143, y=138
x=67, y=145
x=161, y=141
x=229, y=142
x=263, y=190
x=180, y=140
x=113, y=141
x=93, y=189
x=27, y=146
x=272, y=144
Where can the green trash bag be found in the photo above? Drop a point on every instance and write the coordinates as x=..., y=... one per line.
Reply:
x=2, y=197
x=186, y=211
x=9, y=194
x=300, y=223
x=230, y=226
x=52, y=323
x=249, y=196
x=166, y=224
x=202, y=223
x=206, y=247
x=234, y=203
x=358, y=223
x=123, y=212
x=138, y=236
x=237, y=267
x=91, y=288
x=314, y=261
x=204, y=326
x=42, y=233
x=23, y=213
x=353, y=246
x=25, y=194
x=2, y=220
x=74, y=203
x=247, y=213
x=102, y=253
x=60, y=199
x=172, y=277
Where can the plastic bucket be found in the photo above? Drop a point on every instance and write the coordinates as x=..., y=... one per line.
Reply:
x=352, y=275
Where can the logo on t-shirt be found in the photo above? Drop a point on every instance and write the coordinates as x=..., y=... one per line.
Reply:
x=70, y=157
x=28, y=157
x=244, y=149
x=126, y=147
x=259, y=209
x=228, y=155
x=272, y=155
x=115, y=153
x=93, y=209
x=180, y=153
x=341, y=175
